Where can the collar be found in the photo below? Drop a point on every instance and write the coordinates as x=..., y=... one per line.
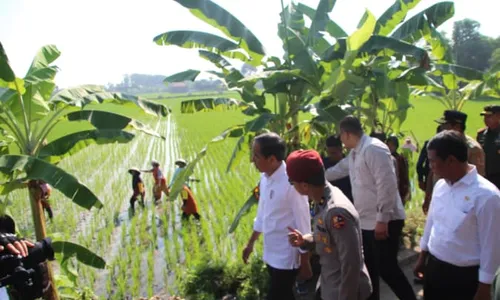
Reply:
x=469, y=178
x=280, y=171
x=361, y=143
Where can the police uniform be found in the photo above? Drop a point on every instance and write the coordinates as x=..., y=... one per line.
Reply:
x=338, y=242
x=489, y=139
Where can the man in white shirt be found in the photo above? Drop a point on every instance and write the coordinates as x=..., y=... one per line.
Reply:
x=280, y=206
x=370, y=167
x=461, y=244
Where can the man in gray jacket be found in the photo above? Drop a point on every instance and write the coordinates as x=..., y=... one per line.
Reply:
x=375, y=192
x=337, y=234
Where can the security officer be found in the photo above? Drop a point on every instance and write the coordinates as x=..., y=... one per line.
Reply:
x=489, y=138
x=456, y=120
x=337, y=233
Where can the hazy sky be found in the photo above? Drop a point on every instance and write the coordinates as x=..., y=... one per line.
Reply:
x=101, y=40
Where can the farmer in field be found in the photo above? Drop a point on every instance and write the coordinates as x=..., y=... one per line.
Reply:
x=137, y=187
x=460, y=245
x=456, y=120
x=402, y=172
x=160, y=181
x=381, y=212
x=43, y=192
x=180, y=164
x=189, y=205
x=489, y=138
x=337, y=233
x=280, y=206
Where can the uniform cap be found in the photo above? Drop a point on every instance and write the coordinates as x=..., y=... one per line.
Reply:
x=452, y=116
x=490, y=109
x=305, y=166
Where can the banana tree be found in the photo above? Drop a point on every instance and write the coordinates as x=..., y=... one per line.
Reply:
x=39, y=127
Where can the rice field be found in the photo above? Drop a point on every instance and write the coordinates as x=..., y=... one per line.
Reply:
x=150, y=252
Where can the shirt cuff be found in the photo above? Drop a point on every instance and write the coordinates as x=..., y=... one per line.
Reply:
x=257, y=226
x=383, y=217
x=423, y=245
x=485, y=277
x=303, y=251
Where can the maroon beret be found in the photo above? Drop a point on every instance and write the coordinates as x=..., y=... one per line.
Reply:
x=305, y=166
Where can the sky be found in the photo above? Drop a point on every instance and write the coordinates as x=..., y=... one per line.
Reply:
x=101, y=40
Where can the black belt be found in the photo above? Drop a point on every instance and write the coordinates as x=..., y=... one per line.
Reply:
x=451, y=267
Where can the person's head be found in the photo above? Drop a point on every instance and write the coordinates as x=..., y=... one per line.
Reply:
x=408, y=141
x=334, y=148
x=134, y=172
x=181, y=163
x=268, y=152
x=448, y=153
x=7, y=224
x=155, y=164
x=491, y=115
x=351, y=131
x=379, y=135
x=306, y=172
x=393, y=143
x=453, y=120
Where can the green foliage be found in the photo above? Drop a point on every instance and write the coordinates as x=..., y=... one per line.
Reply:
x=216, y=279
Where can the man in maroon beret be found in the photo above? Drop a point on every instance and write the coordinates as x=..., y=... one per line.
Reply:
x=337, y=233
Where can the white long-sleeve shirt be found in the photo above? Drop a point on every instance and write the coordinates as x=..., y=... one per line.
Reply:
x=463, y=224
x=280, y=206
x=374, y=184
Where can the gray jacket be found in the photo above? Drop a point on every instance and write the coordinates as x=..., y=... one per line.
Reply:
x=338, y=242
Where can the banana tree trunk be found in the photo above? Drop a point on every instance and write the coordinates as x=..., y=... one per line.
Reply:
x=294, y=106
x=40, y=232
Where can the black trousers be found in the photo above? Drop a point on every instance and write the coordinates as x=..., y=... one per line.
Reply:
x=390, y=271
x=281, y=283
x=370, y=252
x=381, y=259
x=446, y=281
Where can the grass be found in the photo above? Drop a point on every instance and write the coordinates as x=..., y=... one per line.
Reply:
x=152, y=251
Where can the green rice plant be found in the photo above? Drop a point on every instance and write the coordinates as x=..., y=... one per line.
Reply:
x=151, y=268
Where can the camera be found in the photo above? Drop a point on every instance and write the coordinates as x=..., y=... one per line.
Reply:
x=27, y=276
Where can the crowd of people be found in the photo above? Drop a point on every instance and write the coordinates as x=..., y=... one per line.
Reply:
x=351, y=233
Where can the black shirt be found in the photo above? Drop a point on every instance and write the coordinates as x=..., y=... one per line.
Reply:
x=135, y=181
x=344, y=184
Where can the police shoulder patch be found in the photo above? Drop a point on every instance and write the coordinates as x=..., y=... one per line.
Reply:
x=338, y=221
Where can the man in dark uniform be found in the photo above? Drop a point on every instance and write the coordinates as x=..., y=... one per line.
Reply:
x=335, y=153
x=489, y=138
x=337, y=232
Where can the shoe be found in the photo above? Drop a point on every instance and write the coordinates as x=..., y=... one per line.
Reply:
x=301, y=288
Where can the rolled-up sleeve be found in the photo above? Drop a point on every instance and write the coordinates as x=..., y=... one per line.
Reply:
x=489, y=239
x=380, y=163
x=340, y=170
x=257, y=223
x=301, y=215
